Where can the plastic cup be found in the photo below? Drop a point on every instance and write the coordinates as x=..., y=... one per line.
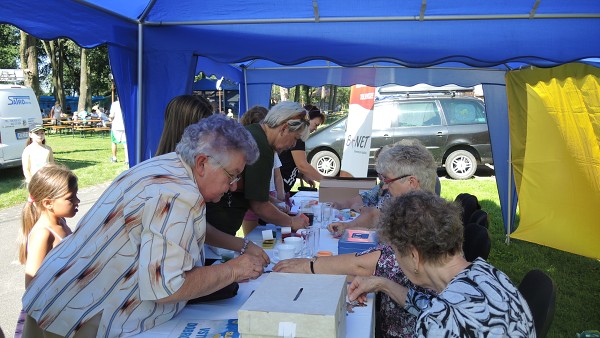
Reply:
x=311, y=237
x=326, y=214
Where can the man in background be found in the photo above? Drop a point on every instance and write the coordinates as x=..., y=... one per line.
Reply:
x=117, y=131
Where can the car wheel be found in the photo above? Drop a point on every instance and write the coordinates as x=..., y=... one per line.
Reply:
x=461, y=164
x=326, y=163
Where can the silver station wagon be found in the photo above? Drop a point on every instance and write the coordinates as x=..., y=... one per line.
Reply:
x=453, y=128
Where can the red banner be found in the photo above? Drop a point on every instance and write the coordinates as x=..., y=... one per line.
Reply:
x=363, y=96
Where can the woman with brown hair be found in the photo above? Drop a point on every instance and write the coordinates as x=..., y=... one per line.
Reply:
x=181, y=112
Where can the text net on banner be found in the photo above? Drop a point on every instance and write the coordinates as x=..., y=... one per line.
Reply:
x=357, y=145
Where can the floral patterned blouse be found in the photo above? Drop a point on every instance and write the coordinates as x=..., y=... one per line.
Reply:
x=375, y=197
x=480, y=301
x=395, y=321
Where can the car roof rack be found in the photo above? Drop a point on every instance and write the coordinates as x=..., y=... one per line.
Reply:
x=11, y=76
x=421, y=91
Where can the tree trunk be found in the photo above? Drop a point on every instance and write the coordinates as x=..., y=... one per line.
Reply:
x=29, y=62
x=333, y=98
x=54, y=51
x=296, y=97
x=85, y=100
x=305, y=95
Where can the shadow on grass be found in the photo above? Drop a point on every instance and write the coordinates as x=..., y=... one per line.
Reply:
x=12, y=179
x=76, y=151
x=77, y=164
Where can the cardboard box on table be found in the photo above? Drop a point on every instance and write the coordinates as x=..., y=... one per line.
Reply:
x=343, y=188
x=278, y=308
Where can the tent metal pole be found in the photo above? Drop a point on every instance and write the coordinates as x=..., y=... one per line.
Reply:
x=245, y=89
x=509, y=209
x=526, y=16
x=138, y=136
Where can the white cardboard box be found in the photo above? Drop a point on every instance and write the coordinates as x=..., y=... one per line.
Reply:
x=343, y=188
x=303, y=305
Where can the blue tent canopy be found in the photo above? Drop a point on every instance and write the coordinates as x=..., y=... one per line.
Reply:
x=156, y=47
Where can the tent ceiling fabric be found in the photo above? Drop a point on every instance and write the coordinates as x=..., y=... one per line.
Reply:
x=169, y=41
x=457, y=31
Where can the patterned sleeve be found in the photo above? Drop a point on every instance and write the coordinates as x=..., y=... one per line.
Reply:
x=370, y=197
x=168, y=244
x=417, y=302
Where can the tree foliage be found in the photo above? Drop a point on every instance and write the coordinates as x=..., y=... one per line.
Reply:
x=9, y=46
x=58, y=64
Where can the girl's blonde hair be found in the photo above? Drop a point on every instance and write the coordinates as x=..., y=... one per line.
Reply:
x=50, y=182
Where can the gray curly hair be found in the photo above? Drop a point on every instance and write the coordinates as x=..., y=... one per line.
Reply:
x=421, y=219
x=409, y=157
x=216, y=136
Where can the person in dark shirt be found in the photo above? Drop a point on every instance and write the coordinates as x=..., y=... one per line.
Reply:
x=293, y=162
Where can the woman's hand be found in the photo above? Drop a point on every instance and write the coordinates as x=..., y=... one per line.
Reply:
x=294, y=265
x=257, y=251
x=299, y=221
x=361, y=285
x=337, y=228
x=246, y=267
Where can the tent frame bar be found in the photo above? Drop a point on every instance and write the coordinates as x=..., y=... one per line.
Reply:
x=378, y=19
x=300, y=67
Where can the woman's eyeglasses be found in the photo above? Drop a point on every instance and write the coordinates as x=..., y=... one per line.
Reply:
x=391, y=180
x=232, y=178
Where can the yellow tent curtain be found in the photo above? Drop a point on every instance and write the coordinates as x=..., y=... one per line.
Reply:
x=554, y=116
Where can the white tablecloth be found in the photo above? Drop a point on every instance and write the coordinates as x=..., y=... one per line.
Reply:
x=359, y=324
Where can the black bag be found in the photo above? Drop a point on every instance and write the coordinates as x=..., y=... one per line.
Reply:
x=224, y=293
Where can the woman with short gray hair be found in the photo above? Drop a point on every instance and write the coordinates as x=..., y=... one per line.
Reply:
x=405, y=162
x=218, y=136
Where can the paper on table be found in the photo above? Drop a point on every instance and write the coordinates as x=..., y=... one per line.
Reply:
x=206, y=328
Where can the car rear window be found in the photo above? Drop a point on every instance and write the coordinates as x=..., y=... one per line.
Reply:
x=417, y=114
x=463, y=112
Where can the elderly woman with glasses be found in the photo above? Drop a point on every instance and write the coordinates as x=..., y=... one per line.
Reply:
x=403, y=168
x=282, y=127
x=399, y=170
x=474, y=299
x=137, y=256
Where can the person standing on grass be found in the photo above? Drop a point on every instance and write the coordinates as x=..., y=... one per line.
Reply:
x=36, y=153
x=55, y=113
x=117, y=131
x=52, y=198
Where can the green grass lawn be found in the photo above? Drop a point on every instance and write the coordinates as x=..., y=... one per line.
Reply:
x=578, y=278
x=88, y=157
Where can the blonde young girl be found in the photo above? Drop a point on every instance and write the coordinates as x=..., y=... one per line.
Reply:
x=36, y=154
x=52, y=198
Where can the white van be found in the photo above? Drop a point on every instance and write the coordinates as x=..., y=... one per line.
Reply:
x=19, y=110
